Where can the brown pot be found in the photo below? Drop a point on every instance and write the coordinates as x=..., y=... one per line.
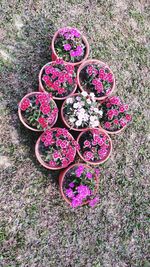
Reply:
x=94, y=61
x=42, y=89
x=62, y=177
x=54, y=54
x=22, y=119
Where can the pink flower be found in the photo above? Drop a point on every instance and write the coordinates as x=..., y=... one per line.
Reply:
x=45, y=109
x=71, y=184
x=122, y=109
x=116, y=112
x=48, y=70
x=25, y=104
x=128, y=117
x=56, y=155
x=110, y=114
x=87, y=143
x=52, y=163
x=65, y=162
x=108, y=105
x=114, y=100
x=59, y=61
x=126, y=107
x=42, y=122
x=123, y=123
x=116, y=121
x=95, y=81
x=90, y=70
x=107, y=125
x=88, y=155
x=67, y=47
x=46, y=78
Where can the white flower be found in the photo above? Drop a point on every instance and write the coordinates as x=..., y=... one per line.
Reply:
x=100, y=112
x=76, y=105
x=86, y=117
x=88, y=101
x=95, y=124
x=84, y=93
x=92, y=95
x=82, y=110
x=93, y=118
x=78, y=98
x=96, y=110
x=69, y=100
x=72, y=120
x=78, y=123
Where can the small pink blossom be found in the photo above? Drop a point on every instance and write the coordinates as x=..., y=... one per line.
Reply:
x=107, y=125
x=67, y=47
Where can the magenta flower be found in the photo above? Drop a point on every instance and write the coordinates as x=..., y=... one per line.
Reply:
x=71, y=184
x=76, y=201
x=87, y=143
x=107, y=125
x=73, y=53
x=88, y=155
x=69, y=193
x=122, y=109
x=116, y=121
x=83, y=191
x=25, y=104
x=89, y=175
x=93, y=202
x=128, y=117
x=67, y=47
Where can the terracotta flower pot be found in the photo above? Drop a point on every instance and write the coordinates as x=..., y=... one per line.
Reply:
x=62, y=177
x=95, y=61
x=55, y=56
x=39, y=158
x=42, y=89
x=109, y=131
x=64, y=120
x=99, y=161
x=22, y=119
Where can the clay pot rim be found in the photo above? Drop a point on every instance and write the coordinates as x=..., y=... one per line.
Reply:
x=64, y=121
x=95, y=61
x=110, y=148
x=38, y=154
x=84, y=40
x=21, y=117
x=42, y=87
x=61, y=179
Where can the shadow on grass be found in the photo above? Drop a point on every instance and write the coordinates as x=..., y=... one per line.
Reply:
x=30, y=52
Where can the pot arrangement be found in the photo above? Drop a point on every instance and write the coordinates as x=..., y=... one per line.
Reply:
x=82, y=89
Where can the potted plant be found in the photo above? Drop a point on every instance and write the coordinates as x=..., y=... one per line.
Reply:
x=56, y=148
x=81, y=111
x=37, y=111
x=115, y=115
x=96, y=77
x=79, y=185
x=95, y=146
x=58, y=78
x=70, y=45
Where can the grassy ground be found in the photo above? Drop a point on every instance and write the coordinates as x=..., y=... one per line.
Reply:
x=37, y=229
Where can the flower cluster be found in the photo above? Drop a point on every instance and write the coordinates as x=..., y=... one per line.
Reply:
x=39, y=110
x=115, y=113
x=79, y=185
x=97, y=79
x=57, y=147
x=94, y=145
x=69, y=45
x=59, y=78
x=81, y=111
